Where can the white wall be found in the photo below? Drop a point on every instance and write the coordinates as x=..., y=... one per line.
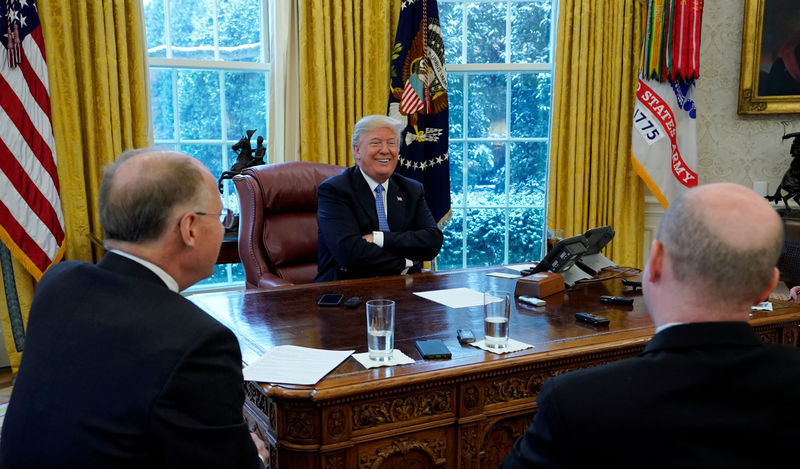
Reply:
x=734, y=148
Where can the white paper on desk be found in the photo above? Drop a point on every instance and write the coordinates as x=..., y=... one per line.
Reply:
x=454, y=297
x=503, y=275
x=520, y=267
x=290, y=364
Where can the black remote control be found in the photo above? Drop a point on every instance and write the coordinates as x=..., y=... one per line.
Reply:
x=592, y=319
x=352, y=302
x=616, y=300
x=465, y=336
x=631, y=283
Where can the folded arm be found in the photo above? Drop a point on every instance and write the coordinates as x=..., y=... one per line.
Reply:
x=340, y=231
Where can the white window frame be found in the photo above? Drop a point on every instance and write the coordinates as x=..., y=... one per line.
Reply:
x=494, y=68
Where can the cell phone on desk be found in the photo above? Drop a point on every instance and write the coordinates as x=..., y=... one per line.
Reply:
x=331, y=299
x=434, y=348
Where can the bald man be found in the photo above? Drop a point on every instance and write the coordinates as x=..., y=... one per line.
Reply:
x=120, y=370
x=705, y=392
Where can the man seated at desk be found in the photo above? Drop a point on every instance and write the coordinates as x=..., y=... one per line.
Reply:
x=371, y=221
x=706, y=392
x=119, y=369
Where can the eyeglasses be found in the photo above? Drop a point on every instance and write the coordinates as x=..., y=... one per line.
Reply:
x=225, y=217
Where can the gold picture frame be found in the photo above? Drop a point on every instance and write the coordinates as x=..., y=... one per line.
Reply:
x=757, y=93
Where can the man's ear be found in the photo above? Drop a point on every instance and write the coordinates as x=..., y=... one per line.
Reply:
x=655, y=263
x=188, y=229
x=773, y=282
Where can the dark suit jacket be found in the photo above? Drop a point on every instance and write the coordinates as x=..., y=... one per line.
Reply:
x=702, y=395
x=119, y=371
x=346, y=211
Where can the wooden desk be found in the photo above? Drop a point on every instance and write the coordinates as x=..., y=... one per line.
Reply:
x=465, y=412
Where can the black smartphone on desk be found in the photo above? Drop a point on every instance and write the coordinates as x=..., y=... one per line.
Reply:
x=330, y=299
x=434, y=348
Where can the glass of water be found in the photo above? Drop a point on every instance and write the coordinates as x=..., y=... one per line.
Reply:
x=380, y=329
x=496, y=307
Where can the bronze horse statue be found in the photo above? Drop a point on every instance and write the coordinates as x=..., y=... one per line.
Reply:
x=791, y=179
x=244, y=158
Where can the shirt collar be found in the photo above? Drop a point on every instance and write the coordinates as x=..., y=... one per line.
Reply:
x=161, y=273
x=372, y=183
x=667, y=325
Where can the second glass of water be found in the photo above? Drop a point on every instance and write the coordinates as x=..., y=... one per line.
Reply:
x=380, y=329
x=496, y=308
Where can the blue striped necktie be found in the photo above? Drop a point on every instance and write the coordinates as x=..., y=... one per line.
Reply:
x=383, y=225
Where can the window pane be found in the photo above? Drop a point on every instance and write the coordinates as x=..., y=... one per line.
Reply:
x=229, y=197
x=451, y=255
x=530, y=32
x=245, y=98
x=499, y=126
x=161, y=95
x=525, y=235
x=214, y=107
x=528, y=173
x=192, y=29
x=486, y=32
x=487, y=105
x=239, y=30
x=222, y=272
x=530, y=104
x=220, y=275
x=486, y=234
x=456, y=173
x=237, y=273
x=198, y=101
x=455, y=98
x=486, y=174
x=154, y=19
x=209, y=155
x=451, y=17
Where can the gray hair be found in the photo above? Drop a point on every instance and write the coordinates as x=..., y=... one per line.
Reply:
x=375, y=121
x=702, y=258
x=138, y=208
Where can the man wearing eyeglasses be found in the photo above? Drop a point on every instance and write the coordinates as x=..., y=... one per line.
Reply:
x=371, y=221
x=119, y=370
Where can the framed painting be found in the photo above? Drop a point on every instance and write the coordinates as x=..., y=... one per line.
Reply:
x=769, y=81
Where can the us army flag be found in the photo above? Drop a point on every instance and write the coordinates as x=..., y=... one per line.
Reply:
x=664, y=137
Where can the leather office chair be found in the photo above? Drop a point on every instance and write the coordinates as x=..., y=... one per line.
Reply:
x=278, y=221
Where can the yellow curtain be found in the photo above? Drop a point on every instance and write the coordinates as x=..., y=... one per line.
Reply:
x=592, y=181
x=344, y=61
x=98, y=96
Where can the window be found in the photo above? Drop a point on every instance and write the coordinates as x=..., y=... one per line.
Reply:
x=209, y=78
x=499, y=58
x=209, y=84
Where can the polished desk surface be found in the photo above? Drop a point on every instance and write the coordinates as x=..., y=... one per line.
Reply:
x=290, y=315
x=461, y=413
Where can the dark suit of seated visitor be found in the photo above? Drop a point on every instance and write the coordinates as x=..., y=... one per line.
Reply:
x=354, y=239
x=705, y=392
x=119, y=369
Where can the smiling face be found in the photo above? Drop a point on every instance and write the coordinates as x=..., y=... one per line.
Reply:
x=376, y=153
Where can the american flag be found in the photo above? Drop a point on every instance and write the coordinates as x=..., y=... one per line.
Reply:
x=31, y=222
